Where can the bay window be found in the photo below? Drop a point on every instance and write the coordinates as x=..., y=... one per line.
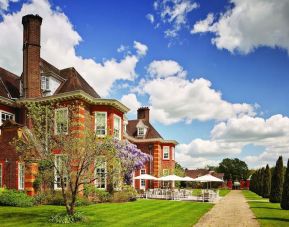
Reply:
x=166, y=152
x=101, y=123
x=117, y=127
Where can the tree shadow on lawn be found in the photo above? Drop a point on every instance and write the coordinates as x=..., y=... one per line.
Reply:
x=23, y=216
x=274, y=219
x=268, y=208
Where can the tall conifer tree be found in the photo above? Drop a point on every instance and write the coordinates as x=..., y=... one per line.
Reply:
x=285, y=194
x=267, y=182
x=277, y=182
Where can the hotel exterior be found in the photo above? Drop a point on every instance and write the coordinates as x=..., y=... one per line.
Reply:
x=41, y=81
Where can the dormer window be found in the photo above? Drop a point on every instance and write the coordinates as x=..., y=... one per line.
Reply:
x=45, y=83
x=141, y=131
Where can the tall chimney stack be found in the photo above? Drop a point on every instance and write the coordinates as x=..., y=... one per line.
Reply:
x=31, y=56
x=143, y=113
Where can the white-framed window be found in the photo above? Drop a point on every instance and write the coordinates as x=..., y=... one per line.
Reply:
x=100, y=174
x=142, y=181
x=166, y=172
x=59, y=168
x=173, y=153
x=166, y=152
x=44, y=83
x=140, y=131
x=101, y=123
x=21, y=176
x=61, y=121
x=1, y=176
x=5, y=116
x=117, y=127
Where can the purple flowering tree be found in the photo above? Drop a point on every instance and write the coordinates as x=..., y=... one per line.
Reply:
x=131, y=159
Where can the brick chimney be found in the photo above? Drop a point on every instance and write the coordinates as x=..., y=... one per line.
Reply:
x=143, y=113
x=31, y=56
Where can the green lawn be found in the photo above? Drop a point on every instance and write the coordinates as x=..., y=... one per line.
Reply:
x=139, y=213
x=268, y=214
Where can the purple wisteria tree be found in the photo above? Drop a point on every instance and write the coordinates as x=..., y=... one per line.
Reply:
x=131, y=159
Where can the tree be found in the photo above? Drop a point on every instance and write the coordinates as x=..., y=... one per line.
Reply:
x=235, y=168
x=67, y=141
x=285, y=194
x=267, y=182
x=180, y=171
x=277, y=182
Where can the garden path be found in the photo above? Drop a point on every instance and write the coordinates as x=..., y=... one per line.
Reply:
x=232, y=210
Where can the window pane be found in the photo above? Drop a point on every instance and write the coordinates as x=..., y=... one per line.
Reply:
x=100, y=123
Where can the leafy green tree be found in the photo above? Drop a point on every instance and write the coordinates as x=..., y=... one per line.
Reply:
x=277, y=182
x=285, y=194
x=267, y=182
x=235, y=168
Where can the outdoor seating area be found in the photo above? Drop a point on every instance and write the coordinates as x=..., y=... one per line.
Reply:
x=205, y=195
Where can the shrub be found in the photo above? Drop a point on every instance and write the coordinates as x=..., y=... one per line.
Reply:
x=277, y=182
x=56, y=198
x=285, y=194
x=95, y=194
x=64, y=218
x=15, y=198
x=127, y=194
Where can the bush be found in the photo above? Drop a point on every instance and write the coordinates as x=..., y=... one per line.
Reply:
x=64, y=218
x=96, y=195
x=15, y=198
x=56, y=198
x=127, y=194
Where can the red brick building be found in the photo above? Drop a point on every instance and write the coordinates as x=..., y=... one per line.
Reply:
x=41, y=81
x=147, y=138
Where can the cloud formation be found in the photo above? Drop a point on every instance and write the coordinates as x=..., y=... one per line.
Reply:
x=173, y=14
x=249, y=25
x=59, y=40
x=165, y=68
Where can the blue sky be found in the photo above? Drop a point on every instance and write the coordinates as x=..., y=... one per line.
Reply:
x=242, y=57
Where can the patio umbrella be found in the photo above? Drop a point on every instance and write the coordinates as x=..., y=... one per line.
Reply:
x=145, y=177
x=188, y=179
x=207, y=178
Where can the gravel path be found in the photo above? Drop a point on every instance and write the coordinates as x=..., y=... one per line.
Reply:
x=232, y=210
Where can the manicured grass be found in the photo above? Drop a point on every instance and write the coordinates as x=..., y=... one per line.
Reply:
x=140, y=213
x=268, y=214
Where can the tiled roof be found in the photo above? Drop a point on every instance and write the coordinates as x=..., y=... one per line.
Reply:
x=152, y=133
x=194, y=173
x=9, y=84
x=74, y=81
x=70, y=80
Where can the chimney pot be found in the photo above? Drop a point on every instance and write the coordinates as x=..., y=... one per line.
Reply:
x=143, y=113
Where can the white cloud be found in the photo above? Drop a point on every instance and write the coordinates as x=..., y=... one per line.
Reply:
x=249, y=25
x=203, y=25
x=174, y=13
x=59, y=40
x=122, y=48
x=176, y=99
x=131, y=102
x=4, y=4
x=230, y=137
x=165, y=68
x=141, y=48
x=150, y=17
